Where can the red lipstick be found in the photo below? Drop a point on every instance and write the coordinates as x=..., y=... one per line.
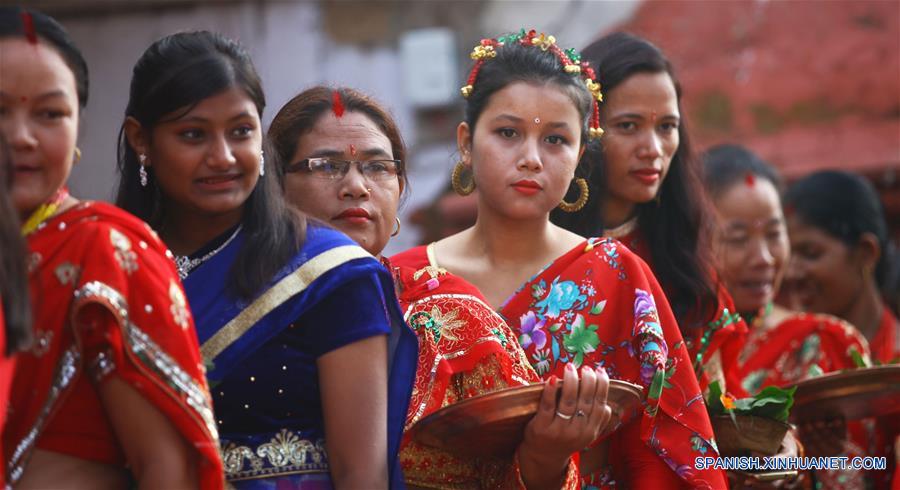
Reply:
x=647, y=176
x=527, y=187
x=354, y=215
x=218, y=182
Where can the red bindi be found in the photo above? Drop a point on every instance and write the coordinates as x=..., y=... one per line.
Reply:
x=750, y=179
x=28, y=27
x=337, y=105
x=352, y=150
x=24, y=99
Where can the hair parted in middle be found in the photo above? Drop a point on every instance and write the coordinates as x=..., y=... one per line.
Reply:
x=677, y=228
x=529, y=57
x=173, y=75
x=300, y=114
x=727, y=165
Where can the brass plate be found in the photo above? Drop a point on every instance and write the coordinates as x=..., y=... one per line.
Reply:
x=493, y=424
x=853, y=395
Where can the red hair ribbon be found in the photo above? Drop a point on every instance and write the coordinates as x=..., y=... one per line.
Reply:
x=337, y=105
x=28, y=27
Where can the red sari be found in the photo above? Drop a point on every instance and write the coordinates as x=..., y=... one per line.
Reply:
x=886, y=344
x=713, y=348
x=107, y=302
x=7, y=366
x=797, y=348
x=886, y=348
x=596, y=305
x=465, y=349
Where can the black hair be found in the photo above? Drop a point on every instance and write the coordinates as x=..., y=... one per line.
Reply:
x=12, y=23
x=845, y=206
x=676, y=226
x=516, y=62
x=172, y=76
x=300, y=114
x=727, y=165
x=13, y=275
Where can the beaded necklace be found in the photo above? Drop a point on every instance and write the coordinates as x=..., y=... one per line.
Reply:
x=44, y=212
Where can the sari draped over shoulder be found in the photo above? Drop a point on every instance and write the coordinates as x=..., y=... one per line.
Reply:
x=465, y=349
x=714, y=347
x=800, y=346
x=107, y=303
x=806, y=345
x=262, y=355
x=600, y=305
x=886, y=344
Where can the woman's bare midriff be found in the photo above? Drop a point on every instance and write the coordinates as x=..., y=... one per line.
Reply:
x=48, y=469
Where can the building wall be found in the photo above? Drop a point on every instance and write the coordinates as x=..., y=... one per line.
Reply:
x=297, y=44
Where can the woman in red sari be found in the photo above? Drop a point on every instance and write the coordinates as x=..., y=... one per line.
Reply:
x=752, y=251
x=465, y=348
x=596, y=306
x=841, y=259
x=115, y=380
x=647, y=194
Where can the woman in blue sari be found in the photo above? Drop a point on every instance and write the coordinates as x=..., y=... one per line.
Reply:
x=310, y=363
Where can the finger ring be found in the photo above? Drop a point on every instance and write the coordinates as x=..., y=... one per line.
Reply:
x=580, y=413
x=562, y=415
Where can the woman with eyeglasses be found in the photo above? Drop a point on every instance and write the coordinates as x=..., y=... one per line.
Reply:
x=310, y=363
x=347, y=169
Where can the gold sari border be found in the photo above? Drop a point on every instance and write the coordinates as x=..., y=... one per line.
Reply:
x=289, y=286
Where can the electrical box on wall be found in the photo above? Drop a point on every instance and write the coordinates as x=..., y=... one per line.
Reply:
x=428, y=58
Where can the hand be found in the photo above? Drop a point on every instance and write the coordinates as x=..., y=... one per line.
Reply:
x=562, y=428
x=824, y=438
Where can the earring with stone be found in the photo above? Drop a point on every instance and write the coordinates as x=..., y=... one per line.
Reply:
x=142, y=173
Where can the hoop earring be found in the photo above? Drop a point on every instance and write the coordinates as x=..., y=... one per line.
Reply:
x=571, y=207
x=456, y=180
x=142, y=173
x=262, y=164
x=77, y=155
x=397, y=231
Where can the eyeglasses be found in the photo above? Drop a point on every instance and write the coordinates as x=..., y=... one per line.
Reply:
x=333, y=169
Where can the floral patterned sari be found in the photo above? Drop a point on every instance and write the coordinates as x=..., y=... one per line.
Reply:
x=597, y=305
x=713, y=348
x=804, y=345
x=465, y=349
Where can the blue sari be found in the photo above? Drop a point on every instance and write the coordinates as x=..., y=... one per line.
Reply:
x=261, y=356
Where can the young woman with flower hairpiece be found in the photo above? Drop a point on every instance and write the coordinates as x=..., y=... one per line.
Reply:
x=575, y=304
x=322, y=132
x=113, y=381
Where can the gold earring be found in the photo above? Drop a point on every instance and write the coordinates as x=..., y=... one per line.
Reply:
x=571, y=207
x=77, y=155
x=397, y=231
x=456, y=180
